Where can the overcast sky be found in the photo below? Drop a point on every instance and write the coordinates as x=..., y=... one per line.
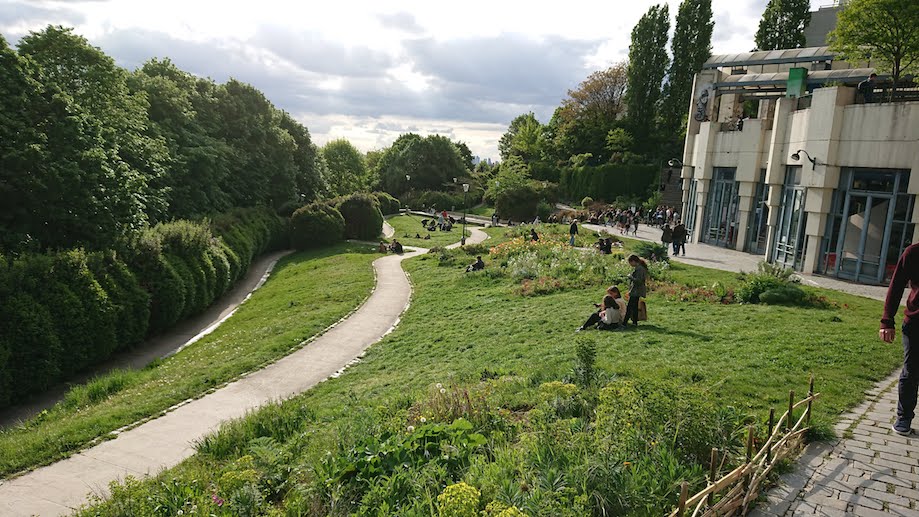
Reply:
x=371, y=70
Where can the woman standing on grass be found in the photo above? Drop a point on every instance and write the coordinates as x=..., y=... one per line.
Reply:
x=637, y=289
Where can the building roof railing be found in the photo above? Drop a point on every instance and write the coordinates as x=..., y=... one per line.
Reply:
x=770, y=57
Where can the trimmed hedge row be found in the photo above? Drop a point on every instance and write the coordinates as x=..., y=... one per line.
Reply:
x=65, y=311
x=388, y=204
x=608, y=182
x=314, y=225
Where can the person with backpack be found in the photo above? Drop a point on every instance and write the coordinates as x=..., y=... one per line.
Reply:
x=666, y=235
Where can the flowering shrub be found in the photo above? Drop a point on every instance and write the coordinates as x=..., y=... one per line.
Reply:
x=459, y=500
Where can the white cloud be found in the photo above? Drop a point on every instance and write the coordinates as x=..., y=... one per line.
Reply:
x=367, y=70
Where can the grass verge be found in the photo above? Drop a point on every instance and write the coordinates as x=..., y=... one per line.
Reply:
x=306, y=293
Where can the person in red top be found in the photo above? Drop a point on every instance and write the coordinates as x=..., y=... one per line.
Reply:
x=906, y=272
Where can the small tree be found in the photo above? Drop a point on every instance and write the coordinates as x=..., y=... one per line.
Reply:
x=315, y=225
x=884, y=31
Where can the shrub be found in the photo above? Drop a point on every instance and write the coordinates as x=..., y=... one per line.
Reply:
x=756, y=284
x=388, y=204
x=544, y=210
x=316, y=224
x=654, y=251
x=30, y=343
x=363, y=219
x=222, y=269
x=587, y=201
x=287, y=209
x=459, y=500
x=130, y=301
x=518, y=203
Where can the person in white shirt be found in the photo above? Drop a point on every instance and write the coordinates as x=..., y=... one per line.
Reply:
x=610, y=314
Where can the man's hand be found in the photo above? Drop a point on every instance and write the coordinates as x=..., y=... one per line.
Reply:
x=887, y=335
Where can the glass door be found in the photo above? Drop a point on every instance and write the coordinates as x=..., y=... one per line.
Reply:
x=791, y=228
x=864, y=236
x=721, y=214
x=758, y=230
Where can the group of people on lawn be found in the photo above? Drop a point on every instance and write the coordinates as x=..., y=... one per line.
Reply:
x=614, y=313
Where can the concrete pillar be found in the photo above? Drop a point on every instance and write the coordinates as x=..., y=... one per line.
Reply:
x=745, y=193
x=775, y=167
x=817, y=203
x=773, y=201
x=701, y=200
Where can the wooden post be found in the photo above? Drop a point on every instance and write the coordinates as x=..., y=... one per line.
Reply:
x=749, y=444
x=810, y=393
x=771, y=429
x=791, y=409
x=713, y=475
x=684, y=494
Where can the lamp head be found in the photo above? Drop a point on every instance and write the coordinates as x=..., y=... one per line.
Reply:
x=465, y=187
x=796, y=156
x=672, y=162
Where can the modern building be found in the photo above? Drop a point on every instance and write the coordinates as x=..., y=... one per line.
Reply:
x=823, y=20
x=783, y=159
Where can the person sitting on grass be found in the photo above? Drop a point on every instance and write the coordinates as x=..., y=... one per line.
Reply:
x=478, y=265
x=396, y=247
x=533, y=235
x=382, y=248
x=427, y=237
x=610, y=314
x=607, y=246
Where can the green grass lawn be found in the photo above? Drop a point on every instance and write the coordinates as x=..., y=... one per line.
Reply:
x=307, y=292
x=494, y=351
x=481, y=211
x=407, y=226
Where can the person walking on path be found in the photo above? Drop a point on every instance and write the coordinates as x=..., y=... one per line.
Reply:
x=637, y=289
x=573, y=230
x=907, y=271
x=679, y=239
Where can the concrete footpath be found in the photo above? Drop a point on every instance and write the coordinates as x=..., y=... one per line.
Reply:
x=60, y=488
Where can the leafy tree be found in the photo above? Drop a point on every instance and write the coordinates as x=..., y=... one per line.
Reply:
x=347, y=171
x=691, y=46
x=506, y=144
x=432, y=162
x=619, y=143
x=884, y=31
x=647, y=66
x=198, y=161
x=95, y=182
x=465, y=153
x=310, y=168
x=782, y=25
x=372, y=162
x=585, y=117
x=264, y=171
x=513, y=174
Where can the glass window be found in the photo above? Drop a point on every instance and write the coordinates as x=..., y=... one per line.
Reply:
x=793, y=175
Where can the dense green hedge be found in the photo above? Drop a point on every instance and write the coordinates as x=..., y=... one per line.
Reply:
x=518, y=204
x=316, y=224
x=388, y=204
x=363, y=219
x=63, y=312
x=608, y=182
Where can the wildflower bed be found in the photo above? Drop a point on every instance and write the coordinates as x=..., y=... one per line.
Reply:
x=482, y=402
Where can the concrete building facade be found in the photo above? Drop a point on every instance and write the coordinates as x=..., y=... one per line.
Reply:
x=784, y=160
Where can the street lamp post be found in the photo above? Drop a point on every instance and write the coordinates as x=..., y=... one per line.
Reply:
x=465, y=190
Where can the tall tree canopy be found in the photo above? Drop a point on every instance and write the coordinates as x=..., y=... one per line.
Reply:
x=782, y=25
x=347, y=170
x=691, y=46
x=884, y=31
x=588, y=113
x=506, y=144
x=432, y=162
x=95, y=182
x=647, y=65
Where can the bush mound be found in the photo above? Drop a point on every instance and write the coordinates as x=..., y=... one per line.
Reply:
x=388, y=204
x=65, y=311
x=653, y=251
x=363, y=219
x=518, y=204
x=316, y=224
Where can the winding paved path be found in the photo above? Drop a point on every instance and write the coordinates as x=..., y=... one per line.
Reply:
x=164, y=442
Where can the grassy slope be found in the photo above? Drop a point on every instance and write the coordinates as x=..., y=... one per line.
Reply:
x=307, y=292
x=460, y=325
x=482, y=211
x=411, y=225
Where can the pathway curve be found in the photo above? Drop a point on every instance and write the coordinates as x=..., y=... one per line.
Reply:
x=181, y=335
x=164, y=442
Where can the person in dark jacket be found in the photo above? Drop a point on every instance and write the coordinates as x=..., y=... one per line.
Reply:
x=866, y=88
x=478, y=265
x=573, y=230
x=679, y=239
x=666, y=235
x=905, y=273
x=638, y=287
x=533, y=235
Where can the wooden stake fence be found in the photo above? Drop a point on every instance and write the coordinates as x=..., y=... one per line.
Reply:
x=739, y=488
